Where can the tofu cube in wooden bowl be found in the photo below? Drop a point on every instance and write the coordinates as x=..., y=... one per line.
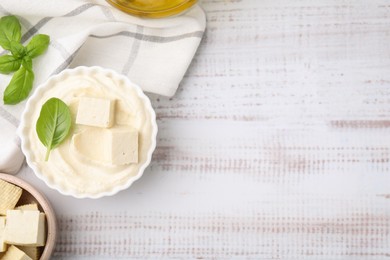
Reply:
x=28, y=224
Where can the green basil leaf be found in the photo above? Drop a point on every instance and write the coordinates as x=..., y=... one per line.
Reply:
x=9, y=63
x=27, y=62
x=53, y=124
x=17, y=49
x=10, y=30
x=38, y=45
x=20, y=86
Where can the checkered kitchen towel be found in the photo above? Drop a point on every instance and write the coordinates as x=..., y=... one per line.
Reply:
x=154, y=53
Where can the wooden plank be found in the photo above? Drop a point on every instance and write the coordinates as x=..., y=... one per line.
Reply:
x=276, y=146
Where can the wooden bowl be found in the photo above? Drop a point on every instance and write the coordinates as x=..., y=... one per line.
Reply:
x=31, y=195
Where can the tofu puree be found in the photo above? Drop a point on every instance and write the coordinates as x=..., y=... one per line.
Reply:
x=77, y=173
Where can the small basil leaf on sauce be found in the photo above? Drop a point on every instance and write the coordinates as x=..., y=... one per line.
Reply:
x=53, y=124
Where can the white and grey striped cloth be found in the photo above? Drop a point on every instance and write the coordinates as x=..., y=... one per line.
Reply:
x=154, y=53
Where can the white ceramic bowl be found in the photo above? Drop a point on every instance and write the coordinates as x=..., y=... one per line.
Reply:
x=28, y=124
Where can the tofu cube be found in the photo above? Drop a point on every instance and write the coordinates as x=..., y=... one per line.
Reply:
x=33, y=252
x=14, y=253
x=95, y=112
x=31, y=206
x=25, y=228
x=3, y=246
x=116, y=146
x=123, y=147
x=9, y=196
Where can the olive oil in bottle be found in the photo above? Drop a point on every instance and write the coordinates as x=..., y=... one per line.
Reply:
x=153, y=8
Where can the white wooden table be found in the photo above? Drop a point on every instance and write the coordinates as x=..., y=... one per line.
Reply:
x=276, y=146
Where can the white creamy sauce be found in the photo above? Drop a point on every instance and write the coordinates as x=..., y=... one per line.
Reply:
x=76, y=173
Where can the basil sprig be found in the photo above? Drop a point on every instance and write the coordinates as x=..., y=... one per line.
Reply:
x=20, y=59
x=53, y=124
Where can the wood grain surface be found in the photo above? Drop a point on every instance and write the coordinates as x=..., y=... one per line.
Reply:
x=276, y=146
